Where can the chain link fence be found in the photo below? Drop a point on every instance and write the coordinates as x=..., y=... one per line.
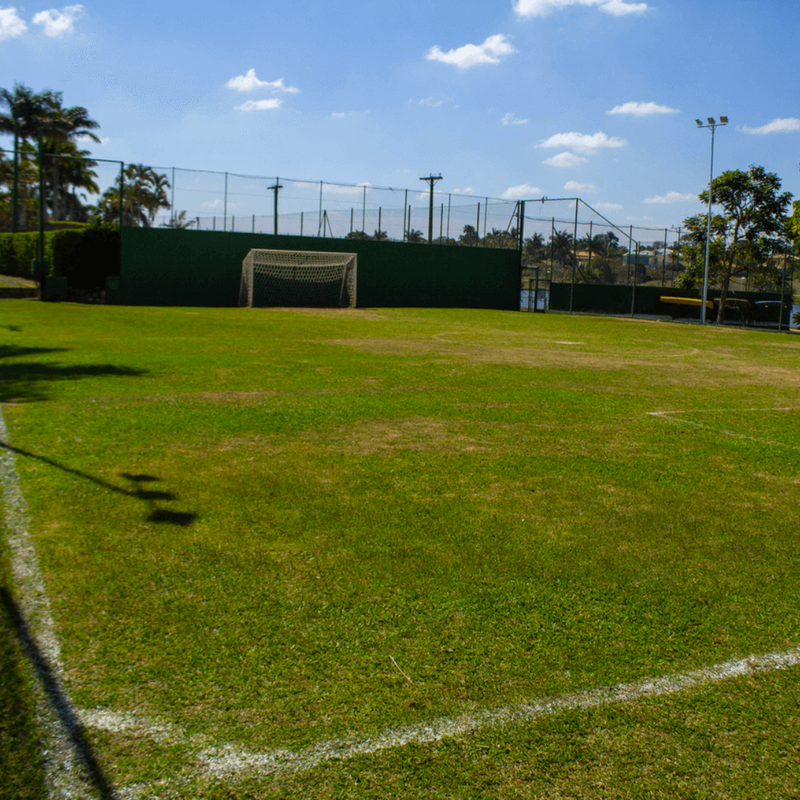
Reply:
x=563, y=239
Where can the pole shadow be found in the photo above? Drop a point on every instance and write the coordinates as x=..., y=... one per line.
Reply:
x=57, y=698
x=149, y=497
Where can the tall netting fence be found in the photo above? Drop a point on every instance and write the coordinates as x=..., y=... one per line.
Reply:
x=563, y=239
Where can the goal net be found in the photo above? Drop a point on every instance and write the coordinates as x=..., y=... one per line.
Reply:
x=298, y=278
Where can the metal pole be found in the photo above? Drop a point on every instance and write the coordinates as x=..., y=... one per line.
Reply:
x=431, y=180
x=379, y=220
x=708, y=231
x=485, y=215
x=478, y=225
x=449, y=198
x=364, y=211
x=121, y=192
x=574, y=258
x=320, y=209
x=276, y=188
x=664, y=261
x=520, y=244
x=301, y=223
x=589, y=265
x=351, y=220
x=405, y=223
x=254, y=224
x=15, y=186
x=633, y=286
x=41, y=220
x=441, y=223
x=173, y=195
x=225, y=206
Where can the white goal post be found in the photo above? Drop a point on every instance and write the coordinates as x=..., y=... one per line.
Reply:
x=298, y=278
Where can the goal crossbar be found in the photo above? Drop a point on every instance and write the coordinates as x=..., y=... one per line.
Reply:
x=297, y=278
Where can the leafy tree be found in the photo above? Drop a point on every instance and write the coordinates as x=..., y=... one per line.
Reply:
x=357, y=235
x=752, y=225
x=470, y=237
x=32, y=116
x=380, y=236
x=416, y=237
x=144, y=193
x=534, y=250
x=179, y=222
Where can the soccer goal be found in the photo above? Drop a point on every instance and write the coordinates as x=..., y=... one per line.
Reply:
x=298, y=278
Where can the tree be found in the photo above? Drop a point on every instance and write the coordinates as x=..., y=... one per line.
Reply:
x=144, y=192
x=752, y=224
x=533, y=249
x=417, y=237
x=32, y=117
x=470, y=236
x=179, y=222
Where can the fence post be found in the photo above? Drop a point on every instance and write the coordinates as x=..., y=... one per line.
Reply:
x=633, y=285
x=478, y=225
x=225, y=206
x=574, y=258
x=173, y=194
x=449, y=198
x=364, y=210
x=121, y=192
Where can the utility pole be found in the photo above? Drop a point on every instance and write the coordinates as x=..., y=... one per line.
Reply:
x=431, y=180
x=276, y=188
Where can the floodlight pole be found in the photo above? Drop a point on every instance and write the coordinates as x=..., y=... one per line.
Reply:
x=713, y=125
x=276, y=188
x=431, y=180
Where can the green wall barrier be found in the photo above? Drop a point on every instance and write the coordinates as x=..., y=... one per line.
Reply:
x=162, y=266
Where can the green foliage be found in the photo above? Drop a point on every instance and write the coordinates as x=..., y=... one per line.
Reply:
x=84, y=256
x=752, y=226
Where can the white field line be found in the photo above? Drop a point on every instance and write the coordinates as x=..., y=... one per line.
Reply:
x=231, y=761
x=675, y=416
x=64, y=773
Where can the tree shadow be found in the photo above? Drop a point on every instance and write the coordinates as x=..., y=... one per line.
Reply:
x=56, y=697
x=23, y=381
x=149, y=497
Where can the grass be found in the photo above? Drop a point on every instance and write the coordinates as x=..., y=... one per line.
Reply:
x=12, y=282
x=276, y=528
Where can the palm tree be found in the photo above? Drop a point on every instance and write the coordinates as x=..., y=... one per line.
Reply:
x=43, y=117
x=143, y=194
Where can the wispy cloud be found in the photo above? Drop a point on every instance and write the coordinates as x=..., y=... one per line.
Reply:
x=564, y=160
x=59, y=23
x=465, y=190
x=511, y=119
x=471, y=55
x=671, y=197
x=788, y=125
x=541, y=8
x=642, y=109
x=89, y=140
x=608, y=206
x=250, y=82
x=336, y=189
x=11, y=24
x=260, y=105
x=521, y=192
x=429, y=102
x=583, y=142
x=574, y=186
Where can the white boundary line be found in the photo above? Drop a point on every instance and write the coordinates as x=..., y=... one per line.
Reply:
x=673, y=416
x=231, y=762
x=64, y=772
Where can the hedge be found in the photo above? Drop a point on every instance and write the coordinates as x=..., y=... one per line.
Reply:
x=85, y=257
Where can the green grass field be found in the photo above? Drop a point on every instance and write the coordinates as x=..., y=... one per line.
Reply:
x=270, y=535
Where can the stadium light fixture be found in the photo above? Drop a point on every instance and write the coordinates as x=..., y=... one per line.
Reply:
x=713, y=125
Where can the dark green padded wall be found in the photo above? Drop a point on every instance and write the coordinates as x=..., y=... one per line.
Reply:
x=161, y=266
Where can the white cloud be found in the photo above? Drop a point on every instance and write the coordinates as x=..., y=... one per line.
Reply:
x=583, y=142
x=574, y=186
x=339, y=114
x=642, y=109
x=564, y=160
x=521, y=192
x=430, y=102
x=511, y=119
x=336, y=189
x=541, y=8
x=671, y=197
x=608, y=206
x=58, y=23
x=470, y=55
x=465, y=190
x=89, y=140
x=260, y=105
x=249, y=82
x=11, y=24
x=776, y=126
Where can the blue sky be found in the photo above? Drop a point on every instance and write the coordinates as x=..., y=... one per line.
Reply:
x=504, y=98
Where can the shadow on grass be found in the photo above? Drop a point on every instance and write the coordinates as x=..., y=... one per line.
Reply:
x=149, y=497
x=24, y=381
x=30, y=777
x=20, y=760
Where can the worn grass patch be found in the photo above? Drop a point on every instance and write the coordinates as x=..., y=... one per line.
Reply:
x=277, y=528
